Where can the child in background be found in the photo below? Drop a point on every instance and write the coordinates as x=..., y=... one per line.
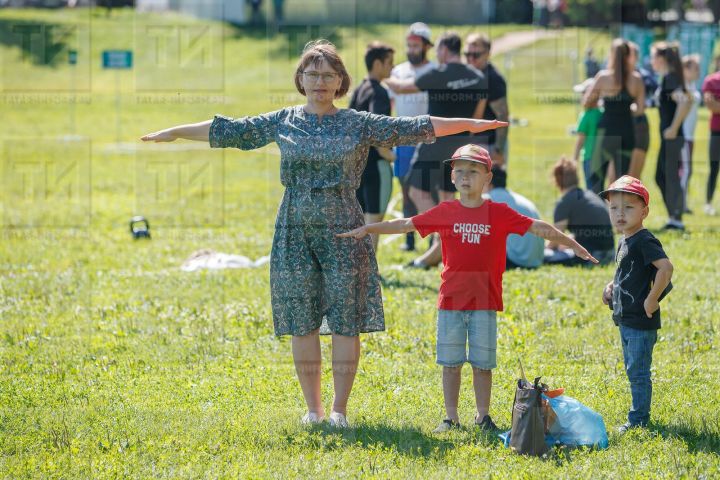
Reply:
x=473, y=233
x=641, y=280
x=691, y=71
x=586, y=132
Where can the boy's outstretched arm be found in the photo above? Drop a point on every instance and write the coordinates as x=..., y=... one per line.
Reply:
x=548, y=232
x=399, y=225
x=662, y=279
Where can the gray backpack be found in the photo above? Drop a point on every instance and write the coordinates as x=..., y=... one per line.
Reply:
x=527, y=436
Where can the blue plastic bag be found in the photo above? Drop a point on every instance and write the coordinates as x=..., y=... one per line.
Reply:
x=577, y=424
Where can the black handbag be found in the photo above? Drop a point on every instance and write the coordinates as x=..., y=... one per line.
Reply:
x=527, y=435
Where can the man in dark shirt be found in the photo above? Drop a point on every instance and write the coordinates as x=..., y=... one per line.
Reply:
x=370, y=96
x=477, y=54
x=454, y=90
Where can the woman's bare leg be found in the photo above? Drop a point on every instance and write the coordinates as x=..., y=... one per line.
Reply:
x=345, y=358
x=306, y=354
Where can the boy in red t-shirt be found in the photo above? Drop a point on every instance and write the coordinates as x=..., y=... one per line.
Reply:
x=473, y=233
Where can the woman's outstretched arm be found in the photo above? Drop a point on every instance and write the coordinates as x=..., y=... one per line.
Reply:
x=451, y=126
x=192, y=131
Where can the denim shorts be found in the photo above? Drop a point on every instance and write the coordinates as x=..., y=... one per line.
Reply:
x=459, y=329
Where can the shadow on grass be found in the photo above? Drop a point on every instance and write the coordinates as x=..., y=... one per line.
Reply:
x=705, y=439
x=404, y=440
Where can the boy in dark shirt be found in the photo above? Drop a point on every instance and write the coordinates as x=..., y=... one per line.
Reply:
x=641, y=280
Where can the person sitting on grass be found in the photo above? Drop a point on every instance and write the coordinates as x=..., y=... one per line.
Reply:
x=473, y=233
x=584, y=214
x=641, y=280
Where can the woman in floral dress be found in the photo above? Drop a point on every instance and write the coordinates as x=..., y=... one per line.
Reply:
x=317, y=279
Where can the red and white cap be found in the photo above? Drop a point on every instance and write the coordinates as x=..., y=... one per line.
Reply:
x=628, y=184
x=472, y=153
x=420, y=29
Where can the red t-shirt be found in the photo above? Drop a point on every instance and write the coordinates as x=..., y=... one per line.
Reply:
x=711, y=85
x=473, y=250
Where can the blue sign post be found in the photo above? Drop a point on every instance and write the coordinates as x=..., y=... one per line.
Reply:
x=117, y=60
x=122, y=59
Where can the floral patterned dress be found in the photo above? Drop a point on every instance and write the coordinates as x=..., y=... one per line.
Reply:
x=317, y=278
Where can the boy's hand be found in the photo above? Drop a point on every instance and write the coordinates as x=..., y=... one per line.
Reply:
x=607, y=293
x=651, y=306
x=359, y=232
x=584, y=254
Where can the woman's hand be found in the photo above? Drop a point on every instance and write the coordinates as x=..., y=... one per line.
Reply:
x=485, y=125
x=359, y=232
x=166, y=135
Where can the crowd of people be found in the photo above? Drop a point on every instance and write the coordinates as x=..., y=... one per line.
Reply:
x=613, y=133
x=448, y=137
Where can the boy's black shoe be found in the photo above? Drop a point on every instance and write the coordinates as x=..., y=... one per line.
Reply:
x=486, y=424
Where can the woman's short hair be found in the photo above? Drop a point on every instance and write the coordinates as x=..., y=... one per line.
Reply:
x=315, y=53
x=565, y=173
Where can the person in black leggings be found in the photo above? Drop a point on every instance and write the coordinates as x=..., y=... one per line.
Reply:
x=711, y=98
x=619, y=87
x=673, y=106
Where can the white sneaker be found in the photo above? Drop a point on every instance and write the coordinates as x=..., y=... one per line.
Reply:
x=311, y=418
x=709, y=210
x=338, y=420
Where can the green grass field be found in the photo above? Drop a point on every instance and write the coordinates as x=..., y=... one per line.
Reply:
x=116, y=364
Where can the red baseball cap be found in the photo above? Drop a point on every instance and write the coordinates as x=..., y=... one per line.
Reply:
x=628, y=184
x=472, y=153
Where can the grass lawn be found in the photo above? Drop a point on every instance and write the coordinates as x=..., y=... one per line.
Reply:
x=116, y=364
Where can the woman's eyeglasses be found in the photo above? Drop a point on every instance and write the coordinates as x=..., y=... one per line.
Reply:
x=326, y=77
x=474, y=54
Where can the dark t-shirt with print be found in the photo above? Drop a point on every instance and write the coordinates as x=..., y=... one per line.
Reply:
x=634, y=278
x=371, y=96
x=454, y=90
